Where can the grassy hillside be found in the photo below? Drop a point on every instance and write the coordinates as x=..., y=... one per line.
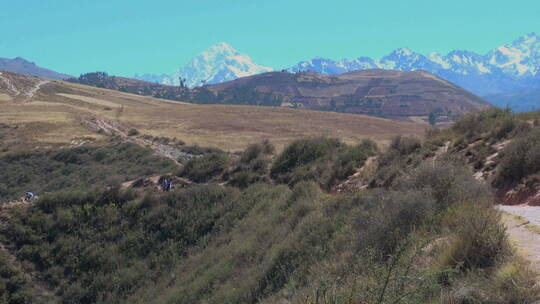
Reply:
x=80, y=167
x=394, y=94
x=313, y=219
x=38, y=114
x=267, y=228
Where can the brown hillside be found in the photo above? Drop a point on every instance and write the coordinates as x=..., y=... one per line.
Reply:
x=386, y=93
x=42, y=112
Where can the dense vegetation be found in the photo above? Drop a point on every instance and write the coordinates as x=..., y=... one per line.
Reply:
x=263, y=229
x=81, y=167
x=220, y=245
x=324, y=160
x=513, y=138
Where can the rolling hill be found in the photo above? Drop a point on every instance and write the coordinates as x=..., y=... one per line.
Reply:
x=384, y=93
x=39, y=112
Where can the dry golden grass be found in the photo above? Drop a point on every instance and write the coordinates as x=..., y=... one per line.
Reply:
x=54, y=115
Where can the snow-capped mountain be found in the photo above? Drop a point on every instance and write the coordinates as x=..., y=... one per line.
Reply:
x=219, y=63
x=507, y=68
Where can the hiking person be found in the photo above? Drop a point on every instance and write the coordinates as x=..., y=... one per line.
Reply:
x=28, y=196
x=166, y=185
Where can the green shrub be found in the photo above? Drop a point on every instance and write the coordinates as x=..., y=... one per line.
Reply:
x=519, y=159
x=302, y=152
x=492, y=124
x=204, y=168
x=133, y=132
x=324, y=160
x=198, y=150
x=448, y=184
x=479, y=241
x=405, y=145
x=402, y=153
x=252, y=165
x=80, y=167
x=388, y=218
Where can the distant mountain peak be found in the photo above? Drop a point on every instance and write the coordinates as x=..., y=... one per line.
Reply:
x=222, y=47
x=529, y=37
x=219, y=63
x=403, y=52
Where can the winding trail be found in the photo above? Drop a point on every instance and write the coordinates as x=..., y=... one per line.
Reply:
x=30, y=93
x=115, y=128
x=523, y=228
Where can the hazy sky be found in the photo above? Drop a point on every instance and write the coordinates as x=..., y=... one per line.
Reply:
x=127, y=37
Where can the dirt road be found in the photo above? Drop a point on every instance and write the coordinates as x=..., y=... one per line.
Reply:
x=523, y=228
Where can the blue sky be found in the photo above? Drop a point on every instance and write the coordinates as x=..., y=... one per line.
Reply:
x=127, y=37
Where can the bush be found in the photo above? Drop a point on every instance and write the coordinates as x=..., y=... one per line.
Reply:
x=252, y=165
x=492, y=124
x=402, y=153
x=448, y=183
x=204, y=168
x=519, y=159
x=479, y=240
x=198, y=150
x=405, y=145
x=133, y=132
x=326, y=161
x=388, y=218
x=302, y=152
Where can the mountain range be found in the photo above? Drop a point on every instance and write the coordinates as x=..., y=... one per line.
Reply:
x=509, y=68
x=506, y=76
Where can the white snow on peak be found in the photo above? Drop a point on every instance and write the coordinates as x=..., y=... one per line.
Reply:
x=440, y=60
x=219, y=63
x=404, y=52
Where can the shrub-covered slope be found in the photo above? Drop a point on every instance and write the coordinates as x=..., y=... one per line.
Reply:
x=80, y=167
x=263, y=229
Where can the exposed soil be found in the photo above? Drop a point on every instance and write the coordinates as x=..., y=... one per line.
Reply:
x=114, y=128
x=522, y=236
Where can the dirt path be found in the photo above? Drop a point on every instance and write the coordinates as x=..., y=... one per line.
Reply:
x=27, y=94
x=30, y=93
x=523, y=228
x=114, y=128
